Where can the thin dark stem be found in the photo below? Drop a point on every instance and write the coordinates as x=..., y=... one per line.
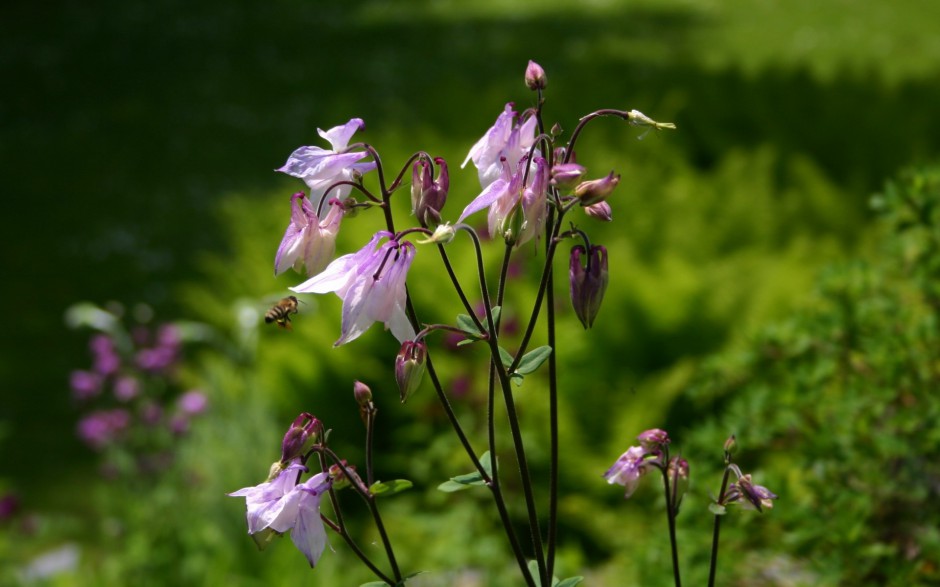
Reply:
x=569, y=150
x=380, y=525
x=551, y=247
x=671, y=518
x=460, y=292
x=513, y=418
x=552, y=414
x=370, y=425
x=713, y=564
x=340, y=525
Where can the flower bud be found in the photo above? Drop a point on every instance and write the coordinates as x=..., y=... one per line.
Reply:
x=363, y=396
x=409, y=367
x=653, y=438
x=535, y=76
x=443, y=234
x=566, y=175
x=428, y=196
x=731, y=445
x=679, y=477
x=304, y=431
x=341, y=479
x=596, y=190
x=588, y=283
x=600, y=211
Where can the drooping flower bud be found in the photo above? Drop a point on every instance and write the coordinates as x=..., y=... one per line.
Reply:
x=566, y=175
x=600, y=211
x=678, y=472
x=588, y=283
x=749, y=496
x=596, y=190
x=731, y=445
x=304, y=431
x=535, y=76
x=363, y=396
x=429, y=196
x=409, y=367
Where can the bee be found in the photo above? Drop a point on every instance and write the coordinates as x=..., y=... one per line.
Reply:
x=280, y=312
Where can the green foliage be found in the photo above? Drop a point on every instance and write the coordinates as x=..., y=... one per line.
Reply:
x=837, y=408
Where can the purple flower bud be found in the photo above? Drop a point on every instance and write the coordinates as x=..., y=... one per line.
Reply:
x=653, y=439
x=363, y=396
x=535, y=76
x=409, y=367
x=588, y=283
x=596, y=190
x=341, y=479
x=429, y=196
x=193, y=402
x=85, y=384
x=601, y=211
x=566, y=175
x=126, y=388
x=304, y=431
x=678, y=472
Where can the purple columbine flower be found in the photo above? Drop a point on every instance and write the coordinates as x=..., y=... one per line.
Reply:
x=308, y=241
x=283, y=505
x=371, y=283
x=749, y=496
x=631, y=465
x=320, y=168
x=506, y=139
x=516, y=211
x=587, y=283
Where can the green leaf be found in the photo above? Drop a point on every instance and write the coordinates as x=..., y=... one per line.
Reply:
x=517, y=379
x=466, y=323
x=496, y=313
x=375, y=584
x=717, y=509
x=533, y=360
x=505, y=357
x=468, y=341
x=569, y=582
x=390, y=487
x=461, y=482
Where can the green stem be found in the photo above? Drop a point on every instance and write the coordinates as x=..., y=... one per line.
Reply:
x=713, y=563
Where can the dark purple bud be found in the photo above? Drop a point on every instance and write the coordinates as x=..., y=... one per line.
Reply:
x=678, y=472
x=653, y=438
x=304, y=431
x=601, y=211
x=409, y=367
x=429, y=196
x=588, y=283
x=535, y=76
x=596, y=190
x=566, y=175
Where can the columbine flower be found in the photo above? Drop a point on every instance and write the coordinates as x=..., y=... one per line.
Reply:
x=371, y=283
x=653, y=438
x=504, y=140
x=320, y=168
x=308, y=241
x=628, y=469
x=282, y=505
x=587, y=283
x=748, y=495
x=517, y=212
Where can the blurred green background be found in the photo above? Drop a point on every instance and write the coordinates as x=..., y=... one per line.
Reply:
x=754, y=289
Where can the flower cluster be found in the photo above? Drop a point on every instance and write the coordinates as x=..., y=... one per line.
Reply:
x=129, y=396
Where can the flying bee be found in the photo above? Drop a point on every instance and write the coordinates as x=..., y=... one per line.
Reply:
x=280, y=312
